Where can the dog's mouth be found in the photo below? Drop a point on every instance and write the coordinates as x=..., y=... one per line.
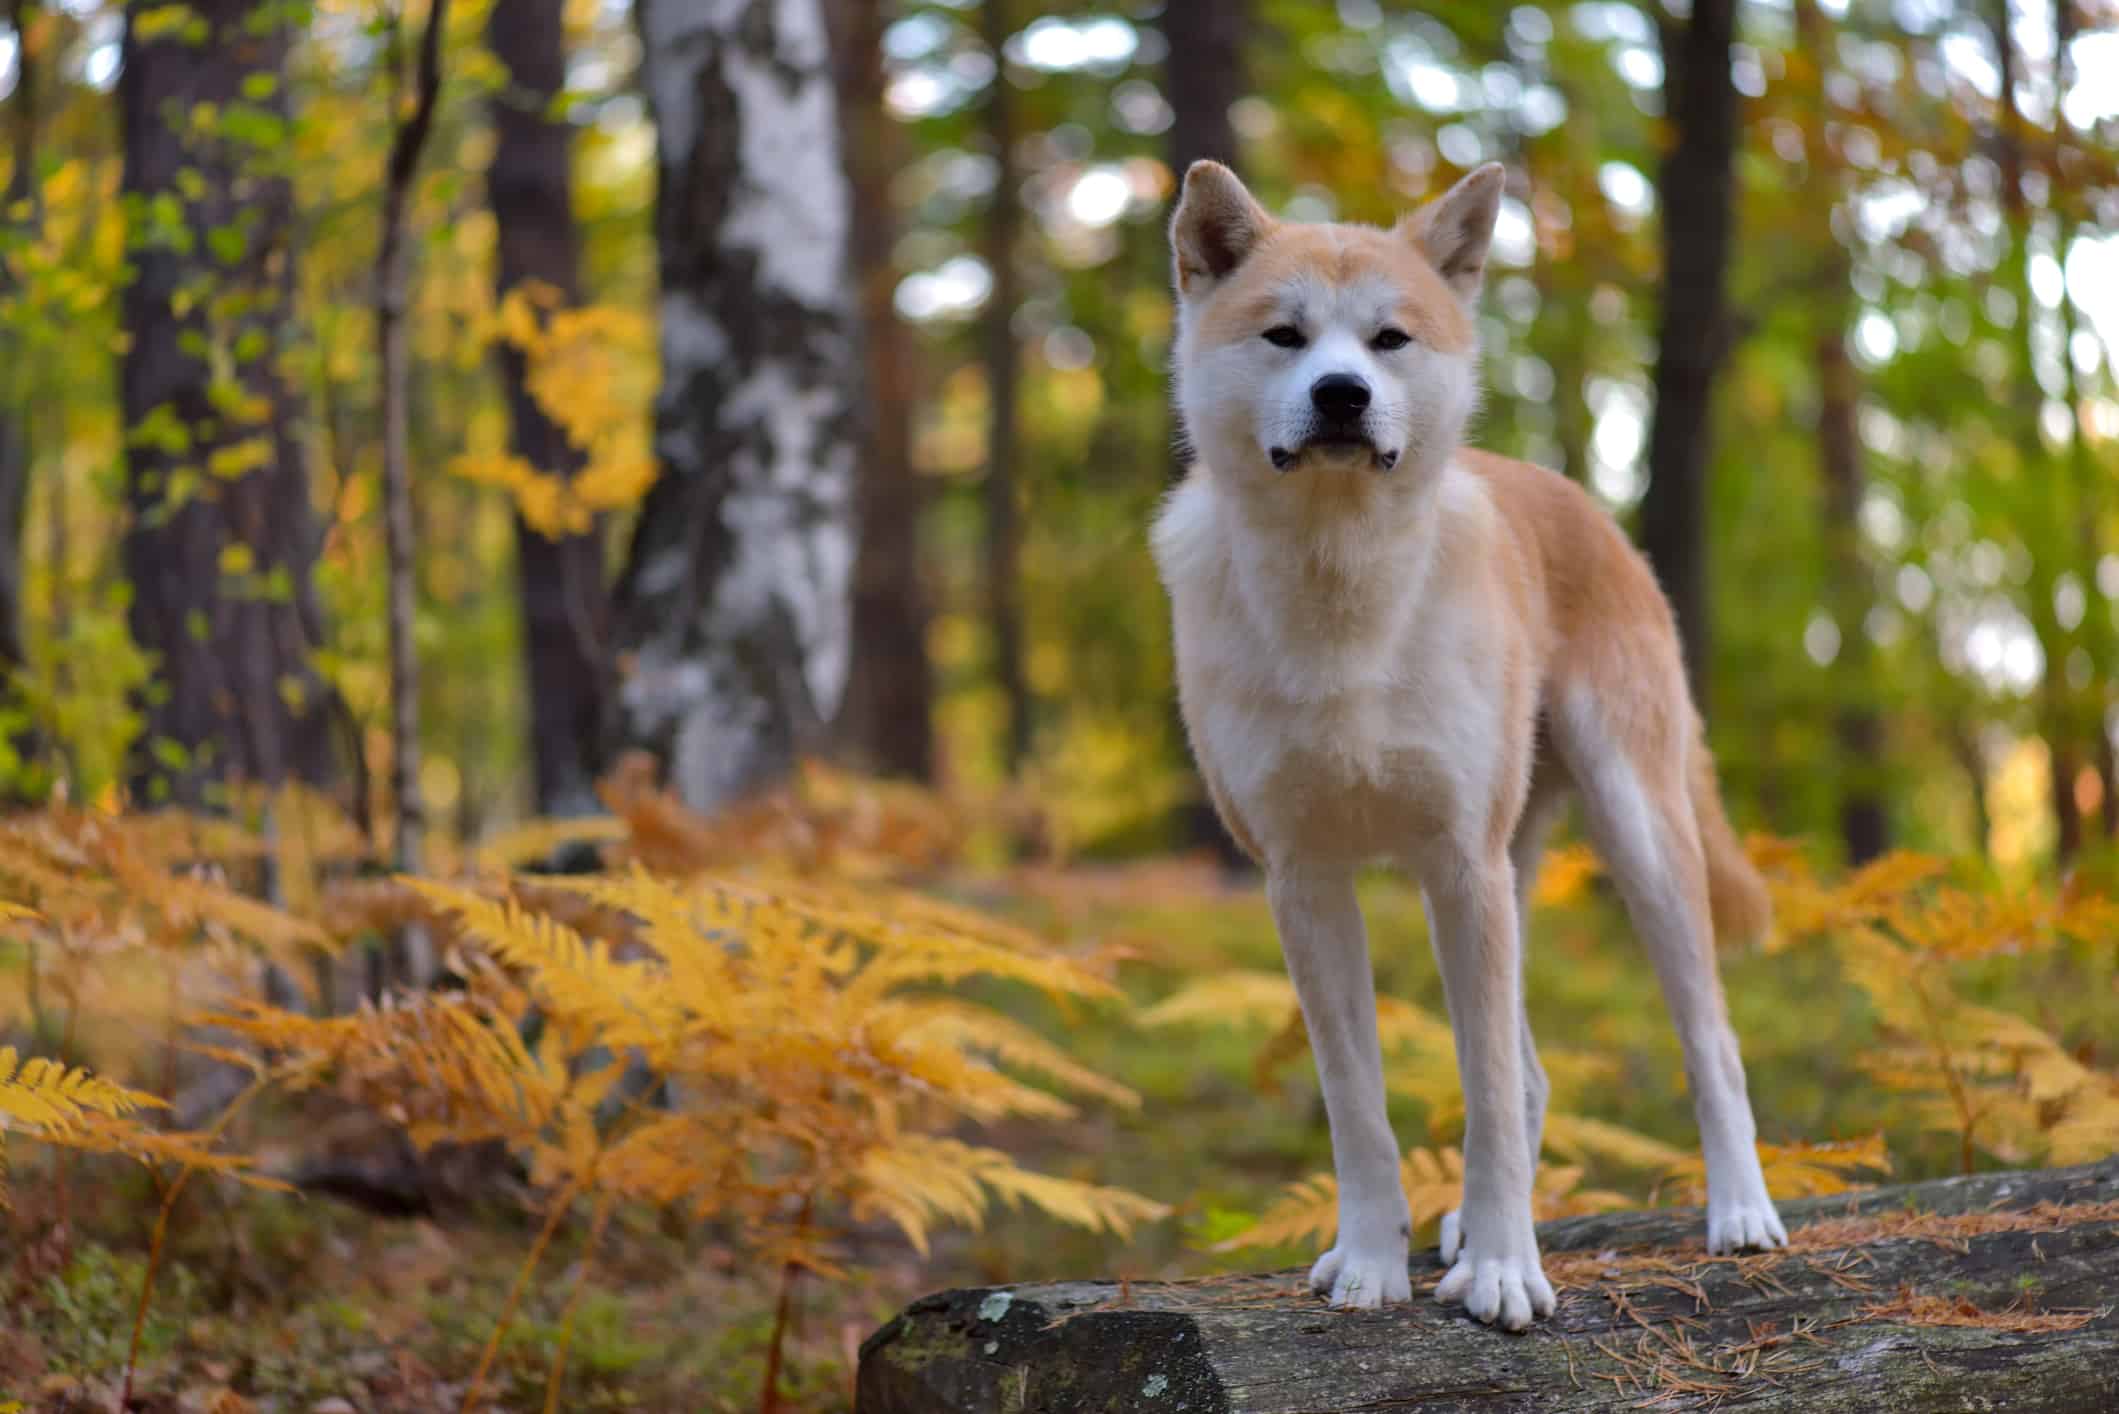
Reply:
x=1337, y=445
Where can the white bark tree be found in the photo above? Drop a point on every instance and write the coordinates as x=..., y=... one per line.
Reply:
x=734, y=609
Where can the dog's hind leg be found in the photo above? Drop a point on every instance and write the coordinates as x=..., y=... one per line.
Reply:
x=1547, y=796
x=1633, y=788
x=1328, y=957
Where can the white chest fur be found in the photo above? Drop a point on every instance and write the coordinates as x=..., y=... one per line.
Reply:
x=1338, y=677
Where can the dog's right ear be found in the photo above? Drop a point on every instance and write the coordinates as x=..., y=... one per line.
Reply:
x=1217, y=225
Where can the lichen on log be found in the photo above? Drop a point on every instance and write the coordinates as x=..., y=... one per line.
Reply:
x=1996, y=1291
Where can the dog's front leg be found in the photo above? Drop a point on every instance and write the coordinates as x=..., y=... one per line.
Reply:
x=1328, y=957
x=1472, y=921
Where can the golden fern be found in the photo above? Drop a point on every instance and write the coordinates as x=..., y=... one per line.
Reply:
x=800, y=1053
x=921, y=1180
x=1307, y=1211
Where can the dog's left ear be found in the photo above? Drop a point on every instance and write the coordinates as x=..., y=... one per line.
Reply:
x=1455, y=230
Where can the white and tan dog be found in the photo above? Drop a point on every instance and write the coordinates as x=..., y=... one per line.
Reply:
x=1390, y=646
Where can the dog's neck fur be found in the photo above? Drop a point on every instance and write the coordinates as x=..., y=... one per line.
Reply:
x=1331, y=559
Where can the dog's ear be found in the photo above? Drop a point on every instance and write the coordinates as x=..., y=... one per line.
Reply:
x=1454, y=230
x=1217, y=224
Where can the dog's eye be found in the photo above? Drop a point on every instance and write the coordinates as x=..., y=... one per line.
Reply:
x=1390, y=339
x=1285, y=336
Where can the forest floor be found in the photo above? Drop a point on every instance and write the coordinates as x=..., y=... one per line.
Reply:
x=272, y=1301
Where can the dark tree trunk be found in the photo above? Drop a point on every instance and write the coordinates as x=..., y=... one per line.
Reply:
x=560, y=579
x=222, y=535
x=16, y=445
x=1864, y=820
x=734, y=608
x=1696, y=198
x=1202, y=78
x=1864, y=817
x=1004, y=538
x=1990, y=1292
x=888, y=719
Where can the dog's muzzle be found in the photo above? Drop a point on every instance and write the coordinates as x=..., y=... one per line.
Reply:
x=1336, y=441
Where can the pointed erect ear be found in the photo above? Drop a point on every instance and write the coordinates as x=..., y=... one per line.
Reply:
x=1217, y=224
x=1454, y=230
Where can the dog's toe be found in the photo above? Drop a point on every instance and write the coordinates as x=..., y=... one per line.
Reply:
x=1358, y=1281
x=1505, y=1292
x=1751, y=1226
x=1452, y=1237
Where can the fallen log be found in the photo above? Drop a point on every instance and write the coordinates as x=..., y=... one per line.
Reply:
x=1997, y=1291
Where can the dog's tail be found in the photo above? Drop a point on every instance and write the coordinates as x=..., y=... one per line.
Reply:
x=1736, y=893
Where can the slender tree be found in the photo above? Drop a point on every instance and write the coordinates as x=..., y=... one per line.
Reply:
x=221, y=537
x=1203, y=77
x=1003, y=364
x=393, y=282
x=1696, y=198
x=16, y=445
x=734, y=607
x=889, y=715
x=1864, y=817
x=560, y=579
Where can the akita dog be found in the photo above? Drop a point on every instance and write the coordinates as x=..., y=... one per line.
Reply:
x=1390, y=646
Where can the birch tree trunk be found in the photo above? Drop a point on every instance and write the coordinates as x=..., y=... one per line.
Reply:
x=222, y=536
x=733, y=610
x=560, y=581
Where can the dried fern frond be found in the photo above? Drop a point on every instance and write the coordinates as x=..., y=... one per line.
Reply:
x=46, y=1096
x=921, y=1180
x=1799, y=1170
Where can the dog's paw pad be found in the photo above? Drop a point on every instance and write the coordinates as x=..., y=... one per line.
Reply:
x=1362, y=1281
x=1501, y=1291
x=1452, y=1237
x=1751, y=1226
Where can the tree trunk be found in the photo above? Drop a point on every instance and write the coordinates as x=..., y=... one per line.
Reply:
x=222, y=535
x=1203, y=77
x=393, y=281
x=2045, y=520
x=1004, y=537
x=1864, y=817
x=16, y=445
x=559, y=579
x=1992, y=1292
x=1696, y=198
x=889, y=715
x=734, y=607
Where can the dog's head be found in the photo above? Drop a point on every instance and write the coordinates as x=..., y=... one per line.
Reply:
x=1314, y=347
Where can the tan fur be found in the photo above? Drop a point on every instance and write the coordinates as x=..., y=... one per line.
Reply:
x=1391, y=645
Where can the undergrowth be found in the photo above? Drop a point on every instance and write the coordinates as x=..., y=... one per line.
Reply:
x=802, y=1023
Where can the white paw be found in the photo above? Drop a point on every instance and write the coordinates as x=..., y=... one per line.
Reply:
x=1503, y=1291
x=1362, y=1279
x=1747, y=1225
x=1452, y=1237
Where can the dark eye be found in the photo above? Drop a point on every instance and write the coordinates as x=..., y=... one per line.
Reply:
x=1390, y=339
x=1285, y=336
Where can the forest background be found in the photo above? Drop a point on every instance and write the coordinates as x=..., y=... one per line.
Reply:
x=411, y=418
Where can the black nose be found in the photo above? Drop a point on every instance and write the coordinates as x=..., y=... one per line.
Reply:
x=1340, y=396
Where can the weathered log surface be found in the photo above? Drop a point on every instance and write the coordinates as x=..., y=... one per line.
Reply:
x=1999, y=1291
